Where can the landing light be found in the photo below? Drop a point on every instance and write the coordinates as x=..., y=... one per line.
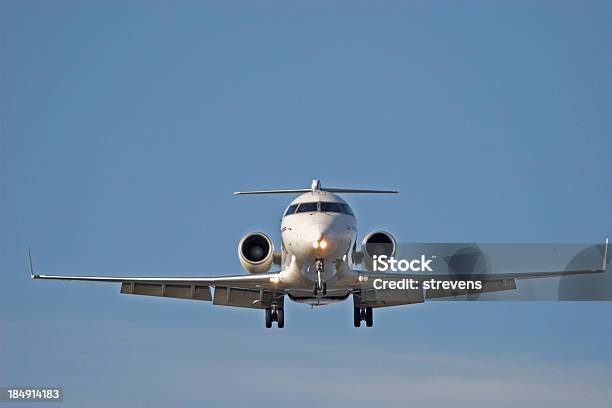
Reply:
x=319, y=244
x=274, y=279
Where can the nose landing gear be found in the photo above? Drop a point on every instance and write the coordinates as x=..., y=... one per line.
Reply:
x=319, y=284
x=363, y=313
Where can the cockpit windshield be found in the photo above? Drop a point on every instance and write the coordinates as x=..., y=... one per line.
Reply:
x=346, y=209
x=291, y=209
x=308, y=207
x=316, y=206
x=330, y=207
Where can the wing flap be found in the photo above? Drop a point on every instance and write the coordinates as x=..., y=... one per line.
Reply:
x=196, y=292
x=389, y=297
x=237, y=297
x=497, y=285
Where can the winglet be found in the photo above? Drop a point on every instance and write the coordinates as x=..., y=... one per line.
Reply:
x=30, y=264
x=604, y=264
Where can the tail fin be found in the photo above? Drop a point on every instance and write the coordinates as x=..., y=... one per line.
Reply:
x=316, y=186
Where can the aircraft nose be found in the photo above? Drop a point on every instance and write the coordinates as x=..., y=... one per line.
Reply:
x=320, y=239
x=319, y=231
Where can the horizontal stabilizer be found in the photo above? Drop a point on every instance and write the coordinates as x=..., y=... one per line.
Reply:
x=316, y=186
x=287, y=191
x=357, y=190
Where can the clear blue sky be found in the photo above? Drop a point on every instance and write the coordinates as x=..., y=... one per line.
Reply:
x=125, y=126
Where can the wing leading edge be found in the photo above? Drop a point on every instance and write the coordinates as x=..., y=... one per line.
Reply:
x=254, y=281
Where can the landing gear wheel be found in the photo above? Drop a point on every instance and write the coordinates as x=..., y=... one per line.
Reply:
x=315, y=289
x=357, y=316
x=363, y=313
x=268, y=318
x=280, y=318
x=324, y=289
x=369, y=317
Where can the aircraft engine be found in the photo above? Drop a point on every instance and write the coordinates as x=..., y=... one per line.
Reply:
x=256, y=252
x=377, y=243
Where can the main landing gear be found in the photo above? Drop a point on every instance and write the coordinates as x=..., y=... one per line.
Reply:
x=319, y=284
x=363, y=313
x=275, y=314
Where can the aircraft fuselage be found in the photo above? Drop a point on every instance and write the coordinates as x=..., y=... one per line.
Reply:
x=318, y=234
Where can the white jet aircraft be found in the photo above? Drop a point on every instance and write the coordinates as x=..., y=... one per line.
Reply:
x=317, y=265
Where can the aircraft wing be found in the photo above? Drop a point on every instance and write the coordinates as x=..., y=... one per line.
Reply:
x=255, y=291
x=492, y=282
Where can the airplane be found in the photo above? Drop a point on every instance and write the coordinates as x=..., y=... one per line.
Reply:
x=317, y=265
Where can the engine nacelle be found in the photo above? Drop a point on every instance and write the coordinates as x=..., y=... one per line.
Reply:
x=376, y=243
x=256, y=252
